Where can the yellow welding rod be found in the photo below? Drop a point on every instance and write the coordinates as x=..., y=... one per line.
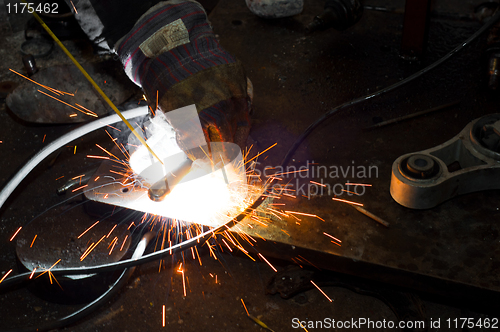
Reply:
x=94, y=84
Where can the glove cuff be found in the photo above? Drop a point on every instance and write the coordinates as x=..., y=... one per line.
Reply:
x=163, y=28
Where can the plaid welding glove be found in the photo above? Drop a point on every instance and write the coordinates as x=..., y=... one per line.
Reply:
x=172, y=53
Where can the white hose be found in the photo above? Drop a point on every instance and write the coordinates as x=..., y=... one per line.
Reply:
x=62, y=141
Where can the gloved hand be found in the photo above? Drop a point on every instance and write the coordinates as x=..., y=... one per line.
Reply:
x=172, y=53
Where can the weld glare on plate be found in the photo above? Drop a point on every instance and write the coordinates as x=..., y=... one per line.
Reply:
x=211, y=199
x=211, y=191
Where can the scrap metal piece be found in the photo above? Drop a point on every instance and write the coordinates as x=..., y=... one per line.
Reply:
x=275, y=8
x=29, y=63
x=32, y=106
x=74, y=182
x=411, y=116
x=371, y=215
x=68, y=234
x=467, y=163
x=338, y=14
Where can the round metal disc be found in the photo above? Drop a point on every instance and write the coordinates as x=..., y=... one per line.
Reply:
x=70, y=238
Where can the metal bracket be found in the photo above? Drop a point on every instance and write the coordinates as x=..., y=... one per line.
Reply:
x=467, y=163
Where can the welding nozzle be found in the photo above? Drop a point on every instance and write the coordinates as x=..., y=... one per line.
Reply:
x=160, y=189
x=78, y=181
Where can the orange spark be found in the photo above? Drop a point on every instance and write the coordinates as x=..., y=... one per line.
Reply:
x=271, y=196
x=198, y=255
x=245, y=252
x=319, y=184
x=88, y=229
x=267, y=262
x=350, y=192
x=77, y=13
x=73, y=115
x=163, y=320
x=92, y=247
x=59, y=177
x=346, y=201
x=111, y=231
x=65, y=103
x=272, y=146
x=109, y=153
x=33, y=272
x=310, y=263
x=113, y=128
x=5, y=276
x=13, y=236
x=302, y=170
x=329, y=299
x=192, y=252
x=33, y=240
x=230, y=237
x=48, y=270
x=124, y=240
x=115, y=241
x=333, y=237
x=43, y=141
x=244, y=306
x=98, y=157
x=271, y=212
x=227, y=245
x=122, y=149
x=358, y=184
x=79, y=188
x=91, y=113
x=57, y=92
x=305, y=214
x=122, y=174
x=246, y=236
x=279, y=212
x=180, y=270
x=89, y=249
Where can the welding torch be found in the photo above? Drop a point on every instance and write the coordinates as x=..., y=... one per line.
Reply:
x=161, y=188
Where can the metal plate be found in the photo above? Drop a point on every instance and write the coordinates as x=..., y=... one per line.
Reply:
x=206, y=200
x=61, y=233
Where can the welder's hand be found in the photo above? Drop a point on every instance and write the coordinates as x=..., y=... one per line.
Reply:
x=172, y=53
